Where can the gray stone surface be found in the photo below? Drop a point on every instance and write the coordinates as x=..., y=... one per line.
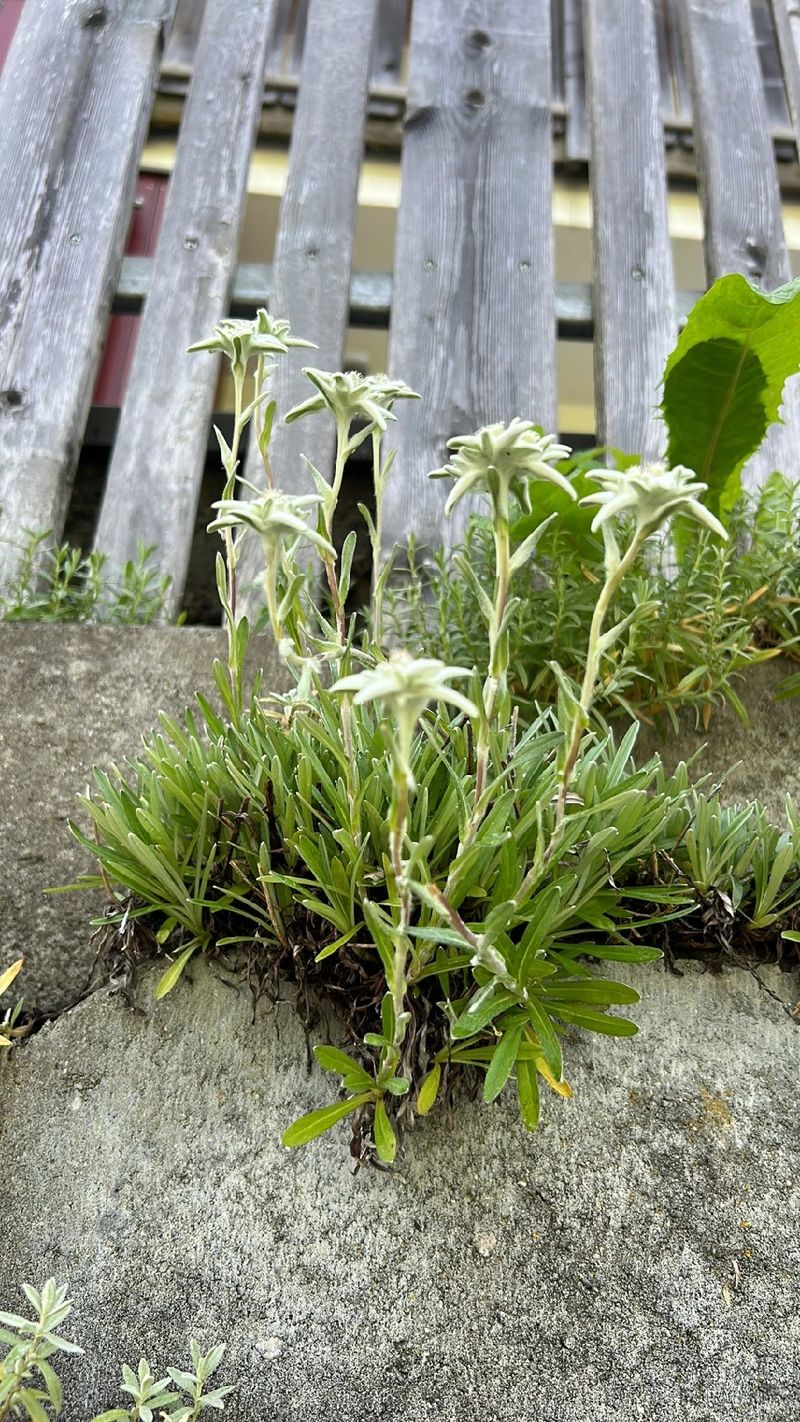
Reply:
x=638, y=1258
x=760, y=761
x=73, y=697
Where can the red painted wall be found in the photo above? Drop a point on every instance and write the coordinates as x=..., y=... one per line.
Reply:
x=120, y=344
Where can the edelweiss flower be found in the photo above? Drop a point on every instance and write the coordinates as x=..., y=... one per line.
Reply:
x=239, y=340
x=349, y=395
x=652, y=493
x=275, y=517
x=405, y=685
x=500, y=460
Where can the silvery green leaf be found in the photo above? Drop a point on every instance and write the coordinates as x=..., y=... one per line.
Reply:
x=226, y=453
x=527, y=548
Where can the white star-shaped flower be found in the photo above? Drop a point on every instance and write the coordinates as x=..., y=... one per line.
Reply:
x=652, y=493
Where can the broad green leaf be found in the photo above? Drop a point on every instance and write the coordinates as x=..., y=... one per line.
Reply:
x=315, y=1123
x=724, y=380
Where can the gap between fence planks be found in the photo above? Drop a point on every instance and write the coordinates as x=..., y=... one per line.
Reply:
x=473, y=320
x=75, y=97
x=576, y=138
x=738, y=180
x=634, y=302
x=786, y=18
x=314, y=245
x=179, y=55
x=158, y=459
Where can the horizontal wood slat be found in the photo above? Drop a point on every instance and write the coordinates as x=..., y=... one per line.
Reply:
x=158, y=459
x=370, y=297
x=473, y=322
x=69, y=149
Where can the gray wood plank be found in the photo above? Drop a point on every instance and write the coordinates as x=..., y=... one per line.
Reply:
x=576, y=133
x=387, y=58
x=75, y=98
x=736, y=164
x=281, y=38
x=473, y=320
x=770, y=62
x=786, y=17
x=635, y=318
x=738, y=178
x=182, y=43
x=314, y=244
x=159, y=455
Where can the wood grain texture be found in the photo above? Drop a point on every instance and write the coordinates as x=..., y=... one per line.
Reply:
x=159, y=455
x=738, y=179
x=179, y=55
x=576, y=130
x=473, y=322
x=736, y=165
x=634, y=302
x=69, y=148
x=314, y=244
x=387, y=58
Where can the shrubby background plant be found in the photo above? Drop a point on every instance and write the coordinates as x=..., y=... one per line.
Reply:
x=31, y=1388
x=698, y=618
x=56, y=582
x=389, y=836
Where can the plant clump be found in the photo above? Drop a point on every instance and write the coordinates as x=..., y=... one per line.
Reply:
x=388, y=836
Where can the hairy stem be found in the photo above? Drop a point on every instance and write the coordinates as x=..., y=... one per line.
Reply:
x=589, y=685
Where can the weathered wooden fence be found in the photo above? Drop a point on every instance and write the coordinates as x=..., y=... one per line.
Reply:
x=485, y=89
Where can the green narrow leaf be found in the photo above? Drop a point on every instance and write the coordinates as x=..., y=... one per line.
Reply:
x=331, y=1059
x=429, y=1090
x=385, y=1138
x=502, y=1063
x=51, y=1381
x=315, y=1123
x=528, y=1093
x=169, y=978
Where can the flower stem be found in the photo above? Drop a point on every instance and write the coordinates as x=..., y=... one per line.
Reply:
x=580, y=719
x=376, y=539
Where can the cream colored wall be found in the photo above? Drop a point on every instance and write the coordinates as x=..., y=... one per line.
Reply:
x=379, y=194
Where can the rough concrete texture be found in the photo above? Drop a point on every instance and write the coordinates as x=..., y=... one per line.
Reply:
x=74, y=697
x=760, y=761
x=637, y=1258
